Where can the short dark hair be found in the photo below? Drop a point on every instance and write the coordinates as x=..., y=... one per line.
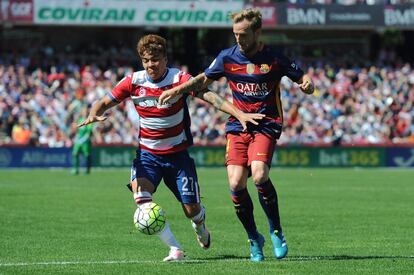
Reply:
x=254, y=16
x=153, y=44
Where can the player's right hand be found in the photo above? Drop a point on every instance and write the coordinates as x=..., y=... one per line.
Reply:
x=253, y=118
x=92, y=119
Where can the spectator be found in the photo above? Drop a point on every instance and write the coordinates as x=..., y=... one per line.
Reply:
x=353, y=105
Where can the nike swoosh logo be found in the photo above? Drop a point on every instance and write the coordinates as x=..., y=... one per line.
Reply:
x=261, y=154
x=233, y=69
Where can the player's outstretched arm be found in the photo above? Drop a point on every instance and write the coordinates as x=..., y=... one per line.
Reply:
x=306, y=84
x=98, y=109
x=225, y=106
x=197, y=83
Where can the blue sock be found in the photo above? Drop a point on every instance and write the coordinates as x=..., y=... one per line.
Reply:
x=244, y=209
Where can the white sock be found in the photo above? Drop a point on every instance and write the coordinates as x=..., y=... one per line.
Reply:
x=142, y=197
x=199, y=218
x=168, y=238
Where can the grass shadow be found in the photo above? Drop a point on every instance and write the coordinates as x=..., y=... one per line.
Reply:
x=304, y=258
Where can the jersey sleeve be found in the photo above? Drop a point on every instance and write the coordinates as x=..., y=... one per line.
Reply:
x=216, y=68
x=122, y=90
x=290, y=68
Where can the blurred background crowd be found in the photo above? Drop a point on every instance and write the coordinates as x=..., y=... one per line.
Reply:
x=43, y=92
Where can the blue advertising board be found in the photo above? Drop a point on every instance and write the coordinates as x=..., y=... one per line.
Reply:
x=399, y=157
x=204, y=156
x=35, y=157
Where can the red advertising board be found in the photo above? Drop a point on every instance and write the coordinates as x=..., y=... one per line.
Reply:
x=269, y=18
x=20, y=11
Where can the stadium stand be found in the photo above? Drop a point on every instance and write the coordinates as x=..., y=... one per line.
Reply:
x=41, y=95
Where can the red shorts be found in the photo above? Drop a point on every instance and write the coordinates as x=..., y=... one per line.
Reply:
x=243, y=148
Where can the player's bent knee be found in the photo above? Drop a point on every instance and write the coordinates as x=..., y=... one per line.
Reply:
x=191, y=209
x=237, y=185
x=143, y=185
x=259, y=178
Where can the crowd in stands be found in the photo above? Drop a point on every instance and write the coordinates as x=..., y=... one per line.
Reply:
x=42, y=96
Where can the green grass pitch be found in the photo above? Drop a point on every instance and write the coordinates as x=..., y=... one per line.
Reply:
x=336, y=221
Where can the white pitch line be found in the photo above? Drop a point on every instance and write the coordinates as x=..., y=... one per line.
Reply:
x=113, y=262
x=311, y=258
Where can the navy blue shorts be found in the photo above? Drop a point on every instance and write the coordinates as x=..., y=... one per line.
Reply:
x=177, y=170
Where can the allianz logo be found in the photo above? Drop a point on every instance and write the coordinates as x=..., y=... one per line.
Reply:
x=5, y=157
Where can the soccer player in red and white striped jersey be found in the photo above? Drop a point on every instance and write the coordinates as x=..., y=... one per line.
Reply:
x=164, y=136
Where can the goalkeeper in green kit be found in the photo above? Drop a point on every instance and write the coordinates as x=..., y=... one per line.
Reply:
x=82, y=145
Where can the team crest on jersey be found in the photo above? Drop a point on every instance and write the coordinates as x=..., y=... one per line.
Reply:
x=264, y=68
x=250, y=68
x=142, y=92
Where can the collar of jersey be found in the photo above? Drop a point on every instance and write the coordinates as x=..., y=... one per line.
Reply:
x=159, y=79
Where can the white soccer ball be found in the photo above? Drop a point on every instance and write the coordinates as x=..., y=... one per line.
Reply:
x=149, y=218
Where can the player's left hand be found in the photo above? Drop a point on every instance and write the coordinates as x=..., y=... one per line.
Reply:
x=307, y=85
x=92, y=119
x=166, y=96
x=244, y=118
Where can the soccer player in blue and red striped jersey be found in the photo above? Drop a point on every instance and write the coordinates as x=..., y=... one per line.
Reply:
x=164, y=136
x=253, y=71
